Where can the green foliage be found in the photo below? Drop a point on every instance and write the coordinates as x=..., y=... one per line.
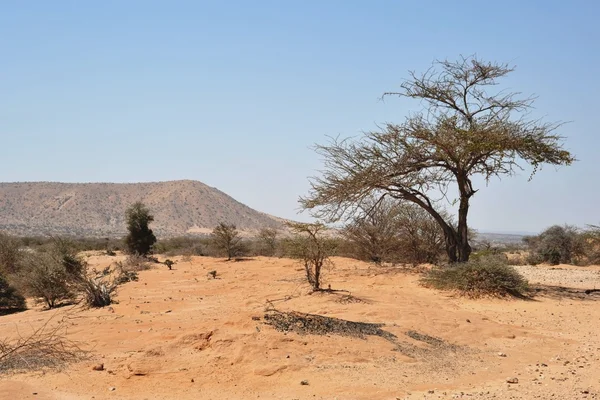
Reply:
x=140, y=238
x=10, y=298
x=484, y=276
x=227, y=240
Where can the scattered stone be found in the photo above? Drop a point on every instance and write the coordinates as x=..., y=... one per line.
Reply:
x=192, y=380
x=512, y=380
x=468, y=320
x=99, y=367
x=304, y=382
x=255, y=318
x=501, y=354
x=112, y=389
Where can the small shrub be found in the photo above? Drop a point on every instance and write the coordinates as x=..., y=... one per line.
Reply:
x=44, y=276
x=534, y=259
x=97, y=292
x=124, y=275
x=486, y=276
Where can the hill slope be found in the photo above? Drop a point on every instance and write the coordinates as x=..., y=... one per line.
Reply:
x=98, y=209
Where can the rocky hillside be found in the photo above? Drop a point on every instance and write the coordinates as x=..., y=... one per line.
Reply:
x=98, y=209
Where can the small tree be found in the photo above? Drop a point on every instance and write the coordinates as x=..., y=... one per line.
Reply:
x=140, y=238
x=226, y=238
x=267, y=238
x=311, y=248
x=466, y=129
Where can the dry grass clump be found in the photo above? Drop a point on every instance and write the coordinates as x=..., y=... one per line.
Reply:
x=136, y=263
x=485, y=276
x=46, y=347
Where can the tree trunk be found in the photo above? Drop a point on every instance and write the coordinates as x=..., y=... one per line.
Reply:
x=464, y=249
x=462, y=234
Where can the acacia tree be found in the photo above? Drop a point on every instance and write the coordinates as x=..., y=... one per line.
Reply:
x=140, y=238
x=227, y=239
x=466, y=129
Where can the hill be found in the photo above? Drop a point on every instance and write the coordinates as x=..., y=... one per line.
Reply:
x=98, y=209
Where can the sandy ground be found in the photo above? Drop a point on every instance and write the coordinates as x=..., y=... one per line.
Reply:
x=180, y=335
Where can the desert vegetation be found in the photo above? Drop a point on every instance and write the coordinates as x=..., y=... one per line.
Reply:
x=467, y=129
x=386, y=192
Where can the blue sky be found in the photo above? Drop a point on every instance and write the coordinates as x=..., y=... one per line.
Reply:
x=235, y=93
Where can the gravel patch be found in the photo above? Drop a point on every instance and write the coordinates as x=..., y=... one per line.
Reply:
x=572, y=277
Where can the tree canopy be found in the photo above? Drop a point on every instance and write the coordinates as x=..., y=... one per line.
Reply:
x=467, y=128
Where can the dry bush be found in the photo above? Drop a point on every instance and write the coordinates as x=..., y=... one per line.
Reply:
x=10, y=298
x=136, y=263
x=98, y=290
x=10, y=254
x=267, y=242
x=484, y=276
x=45, y=277
x=557, y=245
x=388, y=230
x=311, y=248
x=46, y=347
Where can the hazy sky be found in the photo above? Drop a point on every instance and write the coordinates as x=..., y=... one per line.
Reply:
x=235, y=93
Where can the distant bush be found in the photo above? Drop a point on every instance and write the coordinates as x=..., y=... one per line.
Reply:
x=182, y=246
x=557, y=245
x=10, y=254
x=484, y=276
x=226, y=239
x=136, y=263
x=393, y=231
x=267, y=243
x=10, y=298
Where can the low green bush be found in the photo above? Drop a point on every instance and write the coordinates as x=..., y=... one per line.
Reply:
x=483, y=276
